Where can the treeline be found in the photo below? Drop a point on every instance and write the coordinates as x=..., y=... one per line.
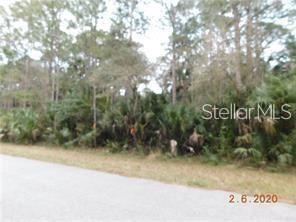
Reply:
x=84, y=88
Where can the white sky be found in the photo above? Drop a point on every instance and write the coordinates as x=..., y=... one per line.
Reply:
x=155, y=40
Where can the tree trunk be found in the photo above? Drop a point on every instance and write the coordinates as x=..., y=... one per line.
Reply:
x=57, y=90
x=94, y=105
x=249, y=40
x=131, y=15
x=51, y=80
x=135, y=99
x=237, y=39
x=174, y=79
x=26, y=79
x=258, y=74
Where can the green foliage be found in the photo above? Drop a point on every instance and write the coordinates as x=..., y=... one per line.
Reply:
x=209, y=157
x=276, y=90
x=115, y=147
x=247, y=153
x=284, y=153
x=178, y=122
x=274, y=136
x=21, y=126
x=69, y=123
x=84, y=88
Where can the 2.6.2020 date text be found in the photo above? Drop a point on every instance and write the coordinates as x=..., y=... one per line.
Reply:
x=256, y=198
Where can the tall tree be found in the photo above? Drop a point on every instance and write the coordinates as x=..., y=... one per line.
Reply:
x=237, y=42
x=43, y=20
x=88, y=15
x=235, y=36
x=128, y=19
x=181, y=19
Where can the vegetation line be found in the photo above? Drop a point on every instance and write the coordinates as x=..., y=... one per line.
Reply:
x=184, y=171
x=84, y=84
x=78, y=74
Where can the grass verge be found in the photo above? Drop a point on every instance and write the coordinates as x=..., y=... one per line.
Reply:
x=184, y=171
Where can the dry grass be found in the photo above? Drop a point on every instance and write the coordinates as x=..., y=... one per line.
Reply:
x=183, y=171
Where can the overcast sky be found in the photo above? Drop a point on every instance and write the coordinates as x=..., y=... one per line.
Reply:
x=155, y=40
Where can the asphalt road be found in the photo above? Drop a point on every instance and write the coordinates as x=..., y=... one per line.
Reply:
x=37, y=191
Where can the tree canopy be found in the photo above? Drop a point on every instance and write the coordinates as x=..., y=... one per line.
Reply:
x=86, y=86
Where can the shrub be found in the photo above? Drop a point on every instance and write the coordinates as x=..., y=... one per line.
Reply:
x=21, y=126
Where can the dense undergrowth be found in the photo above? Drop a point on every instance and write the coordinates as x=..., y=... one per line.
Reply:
x=155, y=122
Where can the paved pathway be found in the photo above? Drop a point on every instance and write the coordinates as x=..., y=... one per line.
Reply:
x=38, y=191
